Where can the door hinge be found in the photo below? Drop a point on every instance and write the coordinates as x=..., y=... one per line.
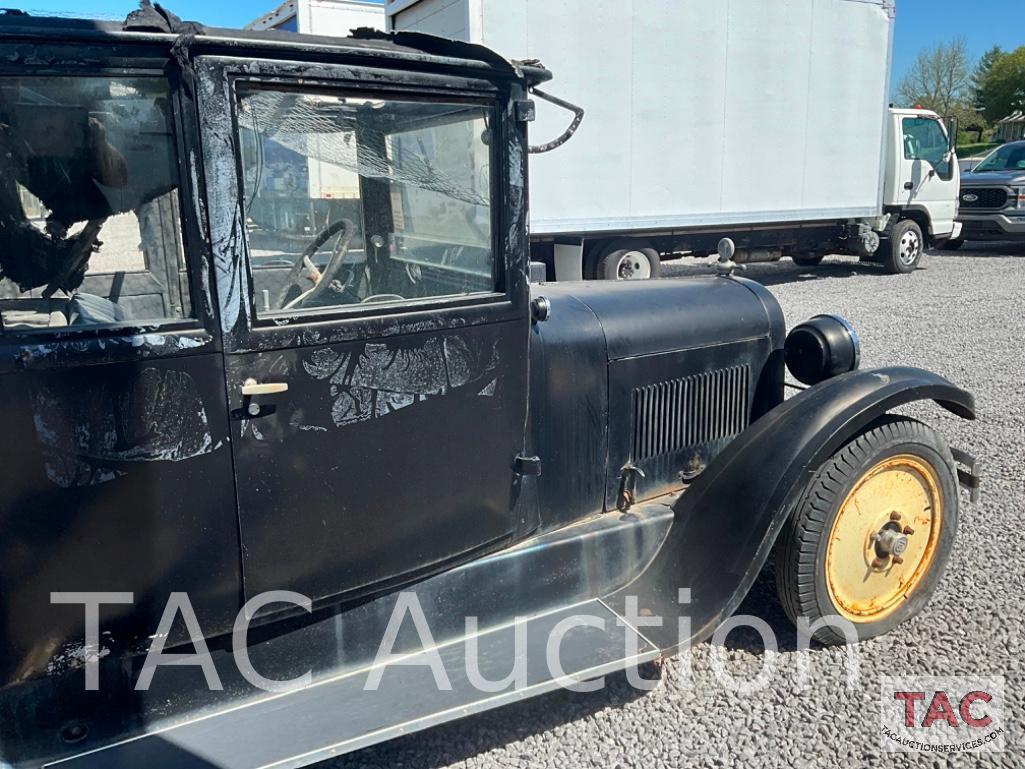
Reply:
x=526, y=111
x=527, y=465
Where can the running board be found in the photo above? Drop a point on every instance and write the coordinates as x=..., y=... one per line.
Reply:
x=339, y=715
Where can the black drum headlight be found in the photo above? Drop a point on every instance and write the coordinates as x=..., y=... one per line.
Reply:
x=821, y=348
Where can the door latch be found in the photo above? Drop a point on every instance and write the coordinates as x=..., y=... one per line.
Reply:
x=251, y=388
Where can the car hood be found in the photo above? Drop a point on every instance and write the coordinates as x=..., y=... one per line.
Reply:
x=993, y=178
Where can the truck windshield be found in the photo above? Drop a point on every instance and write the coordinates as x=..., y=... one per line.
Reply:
x=351, y=199
x=1010, y=157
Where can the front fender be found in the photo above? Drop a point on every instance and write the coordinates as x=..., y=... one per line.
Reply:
x=726, y=523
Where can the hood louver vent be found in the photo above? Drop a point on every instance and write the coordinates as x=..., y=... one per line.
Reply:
x=682, y=413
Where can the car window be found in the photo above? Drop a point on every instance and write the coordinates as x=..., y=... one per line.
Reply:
x=925, y=139
x=90, y=231
x=1010, y=157
x=353, y=201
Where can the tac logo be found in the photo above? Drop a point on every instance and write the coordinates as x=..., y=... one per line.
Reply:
x=942, y=714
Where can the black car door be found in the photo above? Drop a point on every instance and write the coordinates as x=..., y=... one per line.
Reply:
x=375, y=335
x=117, y=472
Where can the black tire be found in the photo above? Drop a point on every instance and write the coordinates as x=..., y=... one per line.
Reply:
x=807, y=260
x=800, y=554
x=953, y=244
x=624, y=259
x=902, y=252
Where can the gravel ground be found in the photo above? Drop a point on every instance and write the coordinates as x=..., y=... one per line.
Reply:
x=960, y=316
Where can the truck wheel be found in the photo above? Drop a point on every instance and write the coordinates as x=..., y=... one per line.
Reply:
x=626, y=260
x=871, y=537
x=903, y=250
x=807, y=260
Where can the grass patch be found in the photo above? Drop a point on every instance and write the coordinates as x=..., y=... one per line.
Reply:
x=971, y=150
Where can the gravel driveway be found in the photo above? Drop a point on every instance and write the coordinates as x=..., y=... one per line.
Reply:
x=961, y=316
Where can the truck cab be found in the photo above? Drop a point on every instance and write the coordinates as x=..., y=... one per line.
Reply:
x=922, y=177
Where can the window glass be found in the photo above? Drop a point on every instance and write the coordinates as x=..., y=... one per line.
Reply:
x=90, y=232
x=353, y=201
x=925, y=139
x=1010, y=157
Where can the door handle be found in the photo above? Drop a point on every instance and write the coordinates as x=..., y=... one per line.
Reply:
x=909, y=185
x=251, y=387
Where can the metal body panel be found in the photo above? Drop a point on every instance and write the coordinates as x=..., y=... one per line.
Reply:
x=340, y=715
x=672, y=414
x=546, y=574
x=597, y=353
x=385, y=425
x=102, y=455
x=728, y=521
x=329, y=507
x=569, y=408
x=678, y=314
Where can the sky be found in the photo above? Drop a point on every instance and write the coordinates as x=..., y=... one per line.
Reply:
x=920, y=23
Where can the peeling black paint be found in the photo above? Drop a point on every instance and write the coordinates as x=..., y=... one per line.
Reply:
x=383, y=379
x=92, y=437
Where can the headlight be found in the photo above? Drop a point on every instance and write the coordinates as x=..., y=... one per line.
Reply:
x=821, y=348
x=1020, y=192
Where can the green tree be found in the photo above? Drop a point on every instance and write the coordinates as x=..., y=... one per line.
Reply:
x=982, y=70
x=940, y=79
x=1004, y=86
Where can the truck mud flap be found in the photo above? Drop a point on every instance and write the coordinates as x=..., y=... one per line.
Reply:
x=339, y=715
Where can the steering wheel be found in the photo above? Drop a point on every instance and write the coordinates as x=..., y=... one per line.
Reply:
x=293, y=295
x=382, y=298
x=295, y=289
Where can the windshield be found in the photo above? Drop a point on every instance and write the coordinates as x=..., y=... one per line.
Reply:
x=1010, y=157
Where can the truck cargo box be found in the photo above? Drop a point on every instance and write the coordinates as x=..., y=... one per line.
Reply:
x=740, y=112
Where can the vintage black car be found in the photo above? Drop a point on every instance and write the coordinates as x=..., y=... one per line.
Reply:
x=273, y=377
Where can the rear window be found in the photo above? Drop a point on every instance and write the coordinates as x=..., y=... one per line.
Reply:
x=90, y=230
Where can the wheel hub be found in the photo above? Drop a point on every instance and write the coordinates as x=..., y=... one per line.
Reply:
x=884, y=538
x=633, y=265
x=909, y=247
x=890, y=541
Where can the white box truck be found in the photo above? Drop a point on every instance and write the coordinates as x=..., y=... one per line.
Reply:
x=765, y=121
x=322, y=17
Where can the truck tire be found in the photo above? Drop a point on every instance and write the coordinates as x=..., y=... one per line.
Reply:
x=872, y=533
x=902, y=251
x=625, y=260
x=807, y=260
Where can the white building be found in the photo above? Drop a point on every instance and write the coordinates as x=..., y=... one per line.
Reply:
x=1012, y=127
x=322, y=17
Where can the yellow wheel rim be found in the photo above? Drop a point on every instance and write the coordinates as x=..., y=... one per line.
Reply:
x=884, y=538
